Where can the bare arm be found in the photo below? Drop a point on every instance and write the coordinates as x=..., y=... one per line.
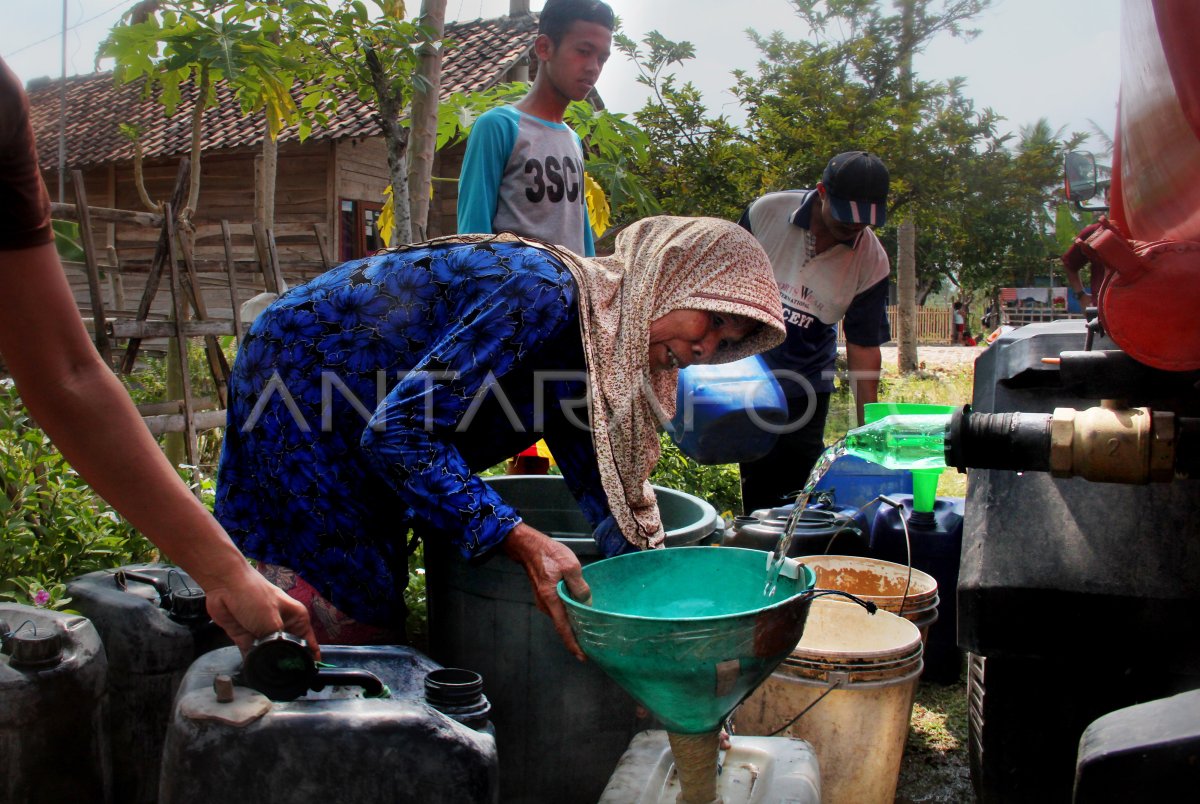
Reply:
x=85, y=410
x=864, y=363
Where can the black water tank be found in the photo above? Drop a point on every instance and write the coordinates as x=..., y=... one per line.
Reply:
x=817, y=532
x=936, y=543
x=153, y=623
x=342, y=743
x=561, y=725
x=53, y=744
x=1075, y=598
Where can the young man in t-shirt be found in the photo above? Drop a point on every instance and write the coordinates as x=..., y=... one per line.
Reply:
x=830, y=267
x=523, y=170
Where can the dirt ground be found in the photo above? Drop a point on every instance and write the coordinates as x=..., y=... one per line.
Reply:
x=936, y=356
x=936, y=768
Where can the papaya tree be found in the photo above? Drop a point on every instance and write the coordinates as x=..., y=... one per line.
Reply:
x=375, y=58
x=170, y=44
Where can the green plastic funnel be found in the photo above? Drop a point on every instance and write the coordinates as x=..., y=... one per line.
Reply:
x=687, y=631
x=925, y=481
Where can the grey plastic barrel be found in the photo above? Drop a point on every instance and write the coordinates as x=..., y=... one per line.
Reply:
x=53, y=744
x=153, y=623
x=330, y=745
x=561, y=725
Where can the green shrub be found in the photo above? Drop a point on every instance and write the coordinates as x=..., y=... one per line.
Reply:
x=53, y=527
x=417, y=623
x=720, y=486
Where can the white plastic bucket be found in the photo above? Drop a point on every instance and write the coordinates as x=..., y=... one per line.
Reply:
x=853, y=676
x=883, y=583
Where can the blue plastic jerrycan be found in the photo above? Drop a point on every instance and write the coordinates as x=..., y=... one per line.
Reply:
x=728, y=412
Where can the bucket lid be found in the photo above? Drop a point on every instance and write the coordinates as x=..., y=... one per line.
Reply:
x=849, y=634
x=925, y=481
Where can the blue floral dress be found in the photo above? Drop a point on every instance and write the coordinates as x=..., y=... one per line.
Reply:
x=364, y=401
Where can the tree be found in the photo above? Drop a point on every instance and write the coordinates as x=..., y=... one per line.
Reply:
x=876, y=52
x=377, y=60
x=425, y=117
x=694, y=161
x=171, y=45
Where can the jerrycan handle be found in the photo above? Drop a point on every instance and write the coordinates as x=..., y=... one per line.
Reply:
x=124, y=576
x=281, y=667
x=186, y=604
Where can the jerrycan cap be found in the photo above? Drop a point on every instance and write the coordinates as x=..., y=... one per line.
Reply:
x=34, y=649
x=189, y=605
x=279, y=666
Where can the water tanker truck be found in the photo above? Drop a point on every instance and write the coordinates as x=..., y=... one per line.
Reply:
x=1078, y=590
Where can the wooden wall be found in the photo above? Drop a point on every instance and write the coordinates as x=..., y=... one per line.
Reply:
x=311, y=179
x=443, y=209
x=362, y=170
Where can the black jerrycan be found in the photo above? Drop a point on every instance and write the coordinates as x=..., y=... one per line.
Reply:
x=369, y=724
x=154, y=623
x=53, y=744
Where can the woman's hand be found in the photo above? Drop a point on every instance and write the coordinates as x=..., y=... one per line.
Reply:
x=547, y=562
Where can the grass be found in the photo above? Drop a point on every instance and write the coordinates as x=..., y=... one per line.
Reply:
x=938, y=386
x=939, y=719
x=935, y=767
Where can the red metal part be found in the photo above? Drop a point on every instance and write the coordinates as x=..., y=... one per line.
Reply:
x=1156, y=190
x=1150, y=298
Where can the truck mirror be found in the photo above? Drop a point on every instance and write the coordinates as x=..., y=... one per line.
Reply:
x=1080, y=171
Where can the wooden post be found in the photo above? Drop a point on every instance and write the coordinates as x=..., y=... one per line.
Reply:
x=162, y=253
x=273, y=254
x=116, y=281
x=217, y=365
x=231, y=267
x=266, y=258
x=93, y=269
x=177, y=304
x=322, y=233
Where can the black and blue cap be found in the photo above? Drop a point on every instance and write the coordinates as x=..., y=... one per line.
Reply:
x=856, y=185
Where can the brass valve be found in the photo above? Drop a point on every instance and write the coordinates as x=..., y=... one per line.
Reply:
x=1113, y=444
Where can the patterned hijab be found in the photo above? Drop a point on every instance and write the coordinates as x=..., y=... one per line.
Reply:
x=660, y=264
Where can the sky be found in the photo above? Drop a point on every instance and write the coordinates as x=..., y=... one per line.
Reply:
x=1053, y=59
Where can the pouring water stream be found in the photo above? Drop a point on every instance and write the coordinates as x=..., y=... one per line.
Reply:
x=776, y=558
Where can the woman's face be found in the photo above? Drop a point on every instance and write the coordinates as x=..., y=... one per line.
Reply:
x=683, y=338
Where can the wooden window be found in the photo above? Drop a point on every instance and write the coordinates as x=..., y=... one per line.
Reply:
x=358, y=229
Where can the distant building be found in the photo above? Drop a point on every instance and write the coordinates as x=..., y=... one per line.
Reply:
x=335, y=178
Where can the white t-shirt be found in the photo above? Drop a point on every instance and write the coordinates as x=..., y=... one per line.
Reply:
x=818, y=290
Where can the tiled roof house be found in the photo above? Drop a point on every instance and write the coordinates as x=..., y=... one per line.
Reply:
x=336, y=176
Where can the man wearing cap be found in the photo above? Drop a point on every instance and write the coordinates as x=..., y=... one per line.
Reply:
x=830, y=267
